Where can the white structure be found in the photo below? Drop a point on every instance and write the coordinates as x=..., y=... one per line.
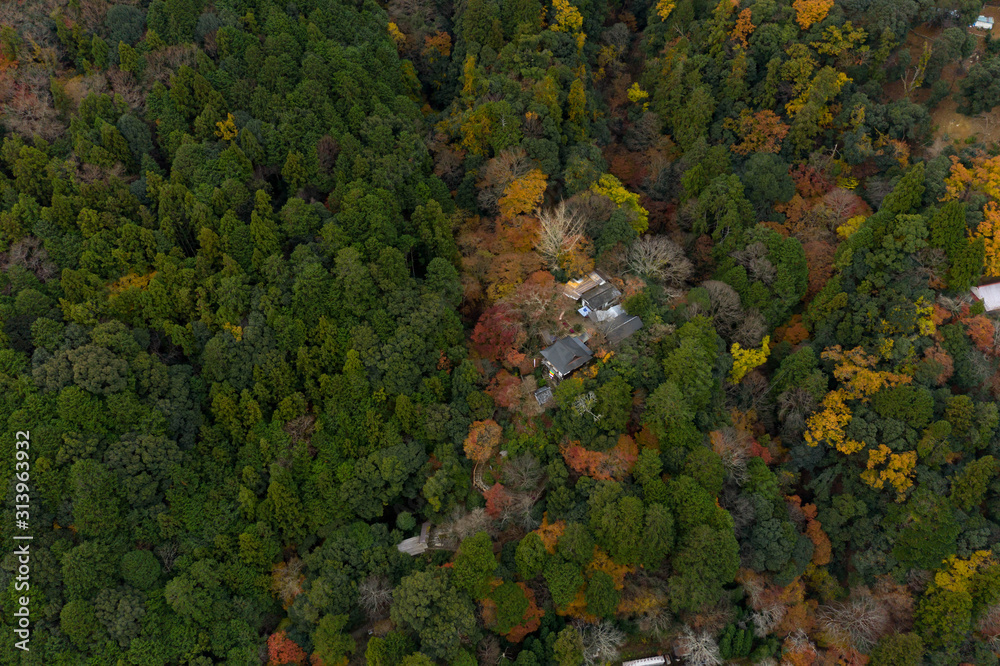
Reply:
x=648, y=661
x=611, y=313
x=417, y=545
x=983, y=23
x=989, y=294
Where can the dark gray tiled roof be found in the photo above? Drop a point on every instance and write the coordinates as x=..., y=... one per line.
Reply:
x=622, y=327
x=600, y=297
x=567, y=354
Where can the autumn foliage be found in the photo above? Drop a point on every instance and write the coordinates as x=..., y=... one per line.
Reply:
x=602, y=465
x=743, y=29
x=808, y=12
x=760, y=132
x=549, y=533
x=497, y=500
x=989, y=231
x=283, y=650
x=898, y=469
x=941, y=362
x=523, y=195
x=530, y=621
x=498, y=331
x=858, y=381
x=483, y=440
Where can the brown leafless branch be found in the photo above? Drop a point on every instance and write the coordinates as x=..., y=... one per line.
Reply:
x=661, y=259
x=560, y=230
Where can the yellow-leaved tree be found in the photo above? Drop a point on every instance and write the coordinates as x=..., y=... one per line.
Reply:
x=609, y=186
x=569, y=19
x=989, y=231
x=957, y=573
x=664, y=7
x=745, y=360
x=226, y=129
x=898, y=470
x=858, y=381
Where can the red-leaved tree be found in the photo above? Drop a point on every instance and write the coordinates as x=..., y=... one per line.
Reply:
x=497, y=500
x=283, y=650
x=498, y=333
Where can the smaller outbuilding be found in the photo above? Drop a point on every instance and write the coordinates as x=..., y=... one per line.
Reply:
x=565, y=356
x=543, y=396
x=417, y=545
x=622, y=327
x=983, y=23
x=648, y=661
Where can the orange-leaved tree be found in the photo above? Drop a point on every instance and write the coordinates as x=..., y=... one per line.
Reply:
x=497, y=500
x=808, y=12
x=283, y=650
x=483, y=439
x=760, y=132
x=524, y=194
x=743, y=29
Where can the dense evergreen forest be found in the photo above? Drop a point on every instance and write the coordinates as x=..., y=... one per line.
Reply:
x=276, y=277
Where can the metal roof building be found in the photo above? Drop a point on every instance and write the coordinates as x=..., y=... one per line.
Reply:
x=989, y=294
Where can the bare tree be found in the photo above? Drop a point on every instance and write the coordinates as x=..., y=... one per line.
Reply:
x=655, y=621
x=754, y=258
x=914, y=78
x=463, y=525
x=488, y=650
x=124, y=84
x=523, y=472
x=659, y=258
x=699, y=649
x=286, y=580
x=583, y=403
x=733, y=446
x=794, y=405
x=954, y=304
x=861, y=620
x=31, y=112
x=841, y=202
x=989, y=626
x=798, y=640
x=29, y=254
x=751, y=330
x=917, y=580
x=725, y=305
x=560, y=230
x=375, y=596
x=600, y=641
x=767, y=618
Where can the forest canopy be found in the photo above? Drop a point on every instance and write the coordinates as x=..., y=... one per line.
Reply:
x=277, y=278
